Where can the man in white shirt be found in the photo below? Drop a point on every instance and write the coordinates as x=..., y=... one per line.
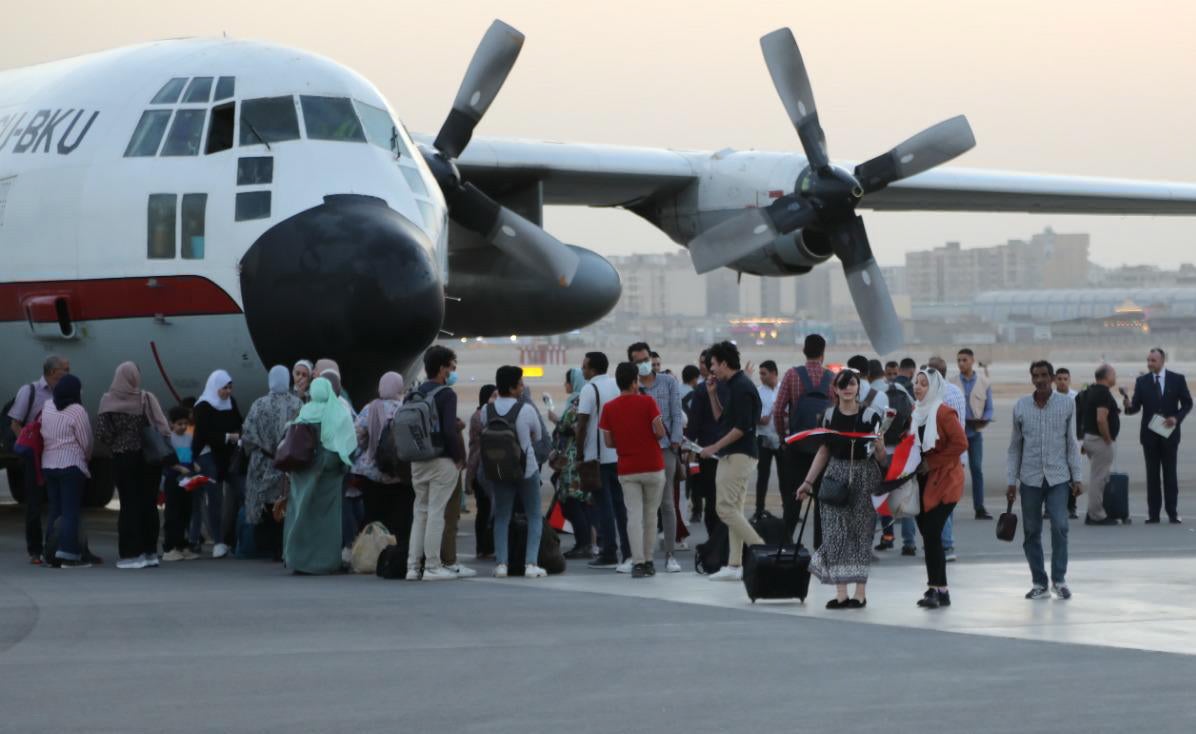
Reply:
x=871, y=395
x=509, y=380
x=600, y=389
x=767, y=438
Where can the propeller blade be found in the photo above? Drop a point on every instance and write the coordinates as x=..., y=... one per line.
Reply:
x=489, y=68
x=869, y=292
x=525, y=241
x=793, y=85
x=747, y=233
x=929, y=148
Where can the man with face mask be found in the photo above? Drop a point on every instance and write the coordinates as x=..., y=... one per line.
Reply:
x=667, y=393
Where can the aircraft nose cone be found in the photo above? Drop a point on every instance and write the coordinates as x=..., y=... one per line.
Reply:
x=352, y=280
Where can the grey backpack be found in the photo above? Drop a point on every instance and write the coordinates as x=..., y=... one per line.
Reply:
x=416, y=427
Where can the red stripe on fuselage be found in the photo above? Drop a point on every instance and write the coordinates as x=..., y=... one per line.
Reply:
x=120, y=298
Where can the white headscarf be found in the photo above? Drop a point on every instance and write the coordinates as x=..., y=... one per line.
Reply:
x=211, y=392
x=926, y=410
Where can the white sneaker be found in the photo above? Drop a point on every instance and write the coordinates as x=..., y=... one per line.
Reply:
x=137, y=562
x=220, y=550
x=624, y=567
x=190, y=555
x=173, y=555
x=151, y=560
x=671, y=565
x=727, y=573
x=500, y=571
x=534, y=572
x=438, y=574
x=463, y=572
x=680, y=545
x=346, y=556
x=950, y=556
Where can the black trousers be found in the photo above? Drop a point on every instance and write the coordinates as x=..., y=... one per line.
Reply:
x=793, y=469
x=393, y=505
x=930, y=524
x=764, y=472
x=704, y=486
x=1161, y=454
x=35, y=499
x=138, y=522
x=483, y=521
x=178, y=513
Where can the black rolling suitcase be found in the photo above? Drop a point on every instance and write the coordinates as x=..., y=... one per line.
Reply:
x=1117, y=497
x=778, y=571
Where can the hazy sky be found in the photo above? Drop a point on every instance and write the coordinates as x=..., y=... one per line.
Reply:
x=1085, y=87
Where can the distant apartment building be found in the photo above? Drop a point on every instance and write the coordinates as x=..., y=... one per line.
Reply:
x=952, y=274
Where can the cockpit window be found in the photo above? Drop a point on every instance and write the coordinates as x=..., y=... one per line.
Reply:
x=225, y=88
x=379, y=128
x=268, y=120
x=331, y=118
x=185, y=133
x=148, y=134
x=169, y=93
x=199, y=90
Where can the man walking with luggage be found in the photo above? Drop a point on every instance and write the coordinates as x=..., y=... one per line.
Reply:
x=978, y=413
x=802, y=400
x=1161, y=392
x=736, y=452
x=1044, y=460
x=1101, y=419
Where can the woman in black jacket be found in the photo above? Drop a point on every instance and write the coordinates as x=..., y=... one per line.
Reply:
x=217, y=434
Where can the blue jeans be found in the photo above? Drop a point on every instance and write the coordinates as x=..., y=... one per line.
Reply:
x=909, y=531
x=1055, y=497
x=528, y=490
x=64, y=489
x=214, y=494
x=976, y=467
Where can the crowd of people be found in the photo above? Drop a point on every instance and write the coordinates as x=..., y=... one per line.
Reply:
x=622, y=456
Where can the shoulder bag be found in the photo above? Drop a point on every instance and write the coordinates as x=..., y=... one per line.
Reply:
x=298, y=447
x=589, y=473
x=154, y=446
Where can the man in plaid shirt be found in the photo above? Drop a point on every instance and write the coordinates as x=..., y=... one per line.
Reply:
x=795, y=464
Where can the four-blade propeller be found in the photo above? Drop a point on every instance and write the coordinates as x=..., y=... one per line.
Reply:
x=825, y=197
x=468, y=205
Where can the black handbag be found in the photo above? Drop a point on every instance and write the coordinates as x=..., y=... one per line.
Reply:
x=154, y=446
x=298, y=448
x=1007, y=525
x=837, y=492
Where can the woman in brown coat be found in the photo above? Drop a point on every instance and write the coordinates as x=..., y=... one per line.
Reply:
x=940, y=478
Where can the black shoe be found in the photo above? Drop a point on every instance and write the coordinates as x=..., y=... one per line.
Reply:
x=579, y=552
x=909, y=550
x=856, y=603
x=1106, y=521
x=695, y=517
x=1071, y=514
x=71, y=563
x=982, y=514
x=944, y=598
x=836, y=604
x=639, y=571
x=603, y=562
x=930, y=600
x=885, y=544
x=1175, y=520
x=1152, y=521
x=650, y=568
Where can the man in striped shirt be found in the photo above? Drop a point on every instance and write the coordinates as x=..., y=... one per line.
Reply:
x=1044, y=460
x=795, y=462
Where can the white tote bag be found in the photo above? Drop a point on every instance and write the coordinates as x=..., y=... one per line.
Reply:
x=369, y=544
x=905, y=501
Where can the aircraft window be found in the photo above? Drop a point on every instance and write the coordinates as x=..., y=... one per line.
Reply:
x=428, y=213
x=253, y=205
x=268, y=120
x=147, y=136
x=160, y=240
x=414, y=180
x=194, y=206
x=251, y=171
x=220, y=129
x=331, y=118
x=199, y=90
x=379, y=129
x=226, y=86
x=170, y=91
x=185, y=133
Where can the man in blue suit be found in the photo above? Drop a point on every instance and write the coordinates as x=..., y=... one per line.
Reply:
x=1165, y=393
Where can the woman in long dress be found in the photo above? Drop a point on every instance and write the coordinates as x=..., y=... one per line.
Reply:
x=312, y=532
x=575, y=503
x=846, y=551
x=264, y=485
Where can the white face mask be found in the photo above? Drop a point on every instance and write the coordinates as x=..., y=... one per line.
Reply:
x=645, y=368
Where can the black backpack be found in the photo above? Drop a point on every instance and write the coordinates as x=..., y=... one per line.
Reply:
x=903, y=404
x=503, y=458
x=392, y=562
x=806, y=412
x=386, y=458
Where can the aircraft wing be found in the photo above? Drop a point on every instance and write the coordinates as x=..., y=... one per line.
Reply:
x=973, y=190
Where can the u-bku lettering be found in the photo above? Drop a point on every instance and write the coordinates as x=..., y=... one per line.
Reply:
x=45, y=131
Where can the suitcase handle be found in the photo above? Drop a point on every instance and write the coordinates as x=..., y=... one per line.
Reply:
x=800, y=533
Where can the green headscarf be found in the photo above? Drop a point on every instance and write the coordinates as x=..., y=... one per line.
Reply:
x=336, y=425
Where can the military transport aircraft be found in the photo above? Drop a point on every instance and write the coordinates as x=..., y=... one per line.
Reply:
x=212, y=203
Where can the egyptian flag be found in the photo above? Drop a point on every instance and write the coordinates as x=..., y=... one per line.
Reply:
x=815, y=432
x=192, y=483
x=556, y=518
x=902, y=465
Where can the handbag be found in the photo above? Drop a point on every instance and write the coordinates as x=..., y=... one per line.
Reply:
x=298, y=447
x=905, y=501
x=1007, y=525
x=154, y=446
x=589, y=473
x=837, y=492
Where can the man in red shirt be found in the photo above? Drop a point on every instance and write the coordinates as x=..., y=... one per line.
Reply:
x=632, y=426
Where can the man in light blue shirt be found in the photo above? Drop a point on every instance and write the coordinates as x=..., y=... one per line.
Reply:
x=978, y=404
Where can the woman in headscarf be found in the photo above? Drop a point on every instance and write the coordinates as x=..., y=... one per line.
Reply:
x=67, y=439
x=301, y=376
x=482, y=528
x=331, y=371
x=264, y=485
x=845, y=555
x=386, y=498
x=312, y=532
x=125, y=410
x=574, y=502
x=217, y=433
x=940, y=477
